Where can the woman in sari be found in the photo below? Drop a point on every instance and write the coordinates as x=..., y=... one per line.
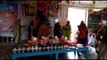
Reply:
x=82, y=35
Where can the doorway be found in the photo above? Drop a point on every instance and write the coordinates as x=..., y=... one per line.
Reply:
x=75, y=16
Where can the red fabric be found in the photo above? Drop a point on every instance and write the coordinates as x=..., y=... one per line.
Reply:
x=40, y=41
x=44, y=31
x=43, y=5
x=36, y=22
x=64, y=41
x=83, y=30
x=82, y=34
x=29, y=41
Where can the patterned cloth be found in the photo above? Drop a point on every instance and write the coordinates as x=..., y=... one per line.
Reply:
x=103, y=45
x=102, y=51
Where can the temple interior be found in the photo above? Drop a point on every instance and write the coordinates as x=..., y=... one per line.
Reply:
x=53, y=30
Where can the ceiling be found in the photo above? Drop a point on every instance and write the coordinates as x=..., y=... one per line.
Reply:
x=87, y=4
x=81, y=3
x=78, y=3
x=100, y=4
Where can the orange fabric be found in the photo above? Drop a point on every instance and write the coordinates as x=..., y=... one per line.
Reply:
x=44, y=31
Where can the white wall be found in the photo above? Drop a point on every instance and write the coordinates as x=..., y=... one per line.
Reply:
x=25, y=21
x=52, y=22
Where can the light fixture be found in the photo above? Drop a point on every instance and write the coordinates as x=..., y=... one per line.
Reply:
x=96, y=9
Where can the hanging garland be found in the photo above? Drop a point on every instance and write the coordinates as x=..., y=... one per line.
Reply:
x=32, y=7
x=53, y=8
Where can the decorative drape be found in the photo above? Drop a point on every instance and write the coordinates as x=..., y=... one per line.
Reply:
x=62, y=15
x=43, y=5
x=8, y=15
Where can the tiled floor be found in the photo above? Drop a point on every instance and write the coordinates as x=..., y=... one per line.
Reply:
x=5, y=53
x=92, y=53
